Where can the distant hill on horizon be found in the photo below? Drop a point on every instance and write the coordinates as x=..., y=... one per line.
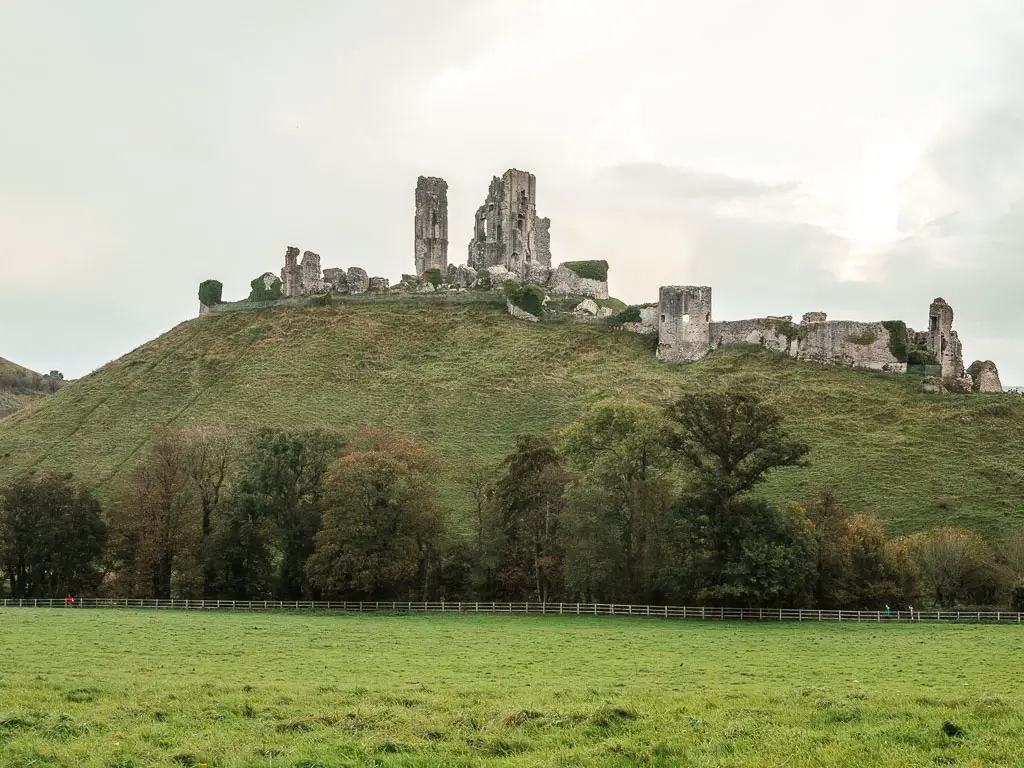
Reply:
x=20, y=386
x=468, y=378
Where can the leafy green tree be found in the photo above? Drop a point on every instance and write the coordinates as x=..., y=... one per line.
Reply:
x=754, y=556
x=382, y=528
x=528, y=508
x=52, y=536
x=728, y=547
x=731, y=441
x=276, y=512
x=618, y=501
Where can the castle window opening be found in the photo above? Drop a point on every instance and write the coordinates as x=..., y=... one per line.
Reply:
x=707, y=318
x=663, y=318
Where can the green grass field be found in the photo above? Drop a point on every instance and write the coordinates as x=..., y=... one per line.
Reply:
x=105, y=689
x=468, y=378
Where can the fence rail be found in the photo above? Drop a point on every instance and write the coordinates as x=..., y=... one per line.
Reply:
x=697, y=613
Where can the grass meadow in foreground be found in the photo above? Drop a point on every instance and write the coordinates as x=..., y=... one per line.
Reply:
x=120, y=689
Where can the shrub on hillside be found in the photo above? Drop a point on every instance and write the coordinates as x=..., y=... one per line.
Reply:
x=322, y=300
x=628, y=315
x=210, y=292
x=591, y=270
x=263, y=292
x=529, y=298
x=433, y=276
x=483, y=279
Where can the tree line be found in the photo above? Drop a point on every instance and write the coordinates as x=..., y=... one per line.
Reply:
x=632, y=503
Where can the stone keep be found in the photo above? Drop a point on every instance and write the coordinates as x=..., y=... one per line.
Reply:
x=431, y=225
x=507, y=232
x=291, y=273
x=942, y=341
x=684, y=323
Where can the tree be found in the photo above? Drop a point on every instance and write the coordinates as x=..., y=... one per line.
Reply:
x=382, y=526
x=52, y=536
x=155, y=525
x=618, y=502
x=210, y=459
x=855, y=567
x=755, y=556
x=278, y=502
x=957, y=567
x=834, y=571
x=528, y=507
x=1012, y=552
x=731, y=440
x=478, y=482
x=729, y=547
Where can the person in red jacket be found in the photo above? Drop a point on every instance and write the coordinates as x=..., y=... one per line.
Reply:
x=69, y=601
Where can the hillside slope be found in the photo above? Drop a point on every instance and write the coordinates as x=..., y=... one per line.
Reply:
x=13, y=397
x=468, y=378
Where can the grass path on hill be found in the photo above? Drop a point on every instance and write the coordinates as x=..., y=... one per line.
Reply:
x=468, y=378
x=97, y=689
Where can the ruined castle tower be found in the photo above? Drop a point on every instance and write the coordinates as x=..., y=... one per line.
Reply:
x=431, y=225
x=943, y=341
x=508, y=232
x=291, y=274
x=684, y=323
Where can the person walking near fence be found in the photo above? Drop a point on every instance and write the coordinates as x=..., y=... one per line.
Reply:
x=69, y=601
x=888, y=611
x=911, y=609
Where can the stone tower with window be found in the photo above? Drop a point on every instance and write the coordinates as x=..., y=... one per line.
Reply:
x=431, y=225
x=684, y=323
x=943, y=341
x=507, y=231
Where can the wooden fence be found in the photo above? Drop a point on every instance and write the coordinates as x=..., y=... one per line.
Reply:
x=697, y=613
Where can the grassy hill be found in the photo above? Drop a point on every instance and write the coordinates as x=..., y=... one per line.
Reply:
x=12, y=397
x=467, y=377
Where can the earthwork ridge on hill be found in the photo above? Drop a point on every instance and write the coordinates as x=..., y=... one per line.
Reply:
x=468, y=378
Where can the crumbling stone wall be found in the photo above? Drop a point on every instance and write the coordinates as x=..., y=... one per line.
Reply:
x=985, y=376
x=312, y=282
x=647, y=324
x=838, y=342
x=761, y=331
x=565, y=280
x=507, y=231
x=431, y=225
x=849, y=343
x=358, y=280
x=684, y=323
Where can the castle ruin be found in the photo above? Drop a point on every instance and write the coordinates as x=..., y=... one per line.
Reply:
x=507, y=231
x=511, y=243
x=430, y=225
x=684, y=323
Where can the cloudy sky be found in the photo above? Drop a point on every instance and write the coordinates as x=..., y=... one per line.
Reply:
x=857, y=158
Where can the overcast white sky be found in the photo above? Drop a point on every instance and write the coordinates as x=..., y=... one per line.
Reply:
x=857, y=158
